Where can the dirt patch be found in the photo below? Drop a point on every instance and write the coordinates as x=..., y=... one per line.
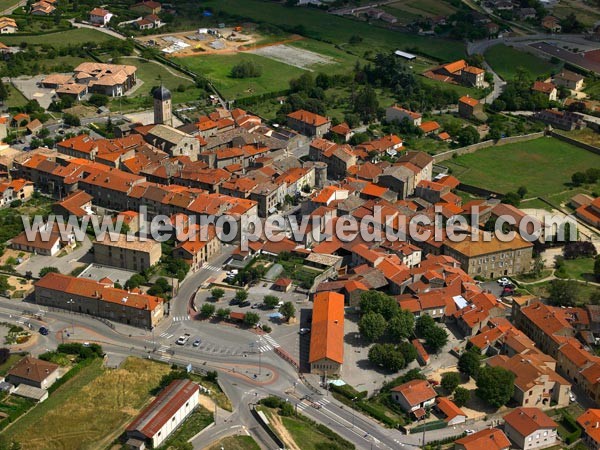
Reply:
x=193, y=43
x=207, y=402
x=82, y=111
x=14, y=254
x=282, y=431
x=297, y=57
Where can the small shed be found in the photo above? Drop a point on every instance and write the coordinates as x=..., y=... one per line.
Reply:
x=282, y=285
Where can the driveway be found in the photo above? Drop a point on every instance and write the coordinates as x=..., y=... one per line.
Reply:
x=65, y=264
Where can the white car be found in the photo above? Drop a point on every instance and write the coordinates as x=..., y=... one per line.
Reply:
x=572, y=397
x=503, y=281
x=304, y=330
x=470, y=432
x=183, y=339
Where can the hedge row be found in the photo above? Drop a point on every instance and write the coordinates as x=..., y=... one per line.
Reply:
x=70, y=374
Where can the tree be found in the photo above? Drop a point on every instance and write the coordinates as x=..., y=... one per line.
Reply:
x=578, y=178
x=423, y=324
x=251, y=319
x=223, y=313
x=469, y=362
x=47, y=270
x=270, y=301
x=461, y=396
x=408, y=351
x=597, y=268
x=135, y=281
x=386, y=356
x=246, y=69
x=495, y=385
x=241, y=295
x=401, y=326
x=207, y=310
x=538, y=266
x=511, y=198
x=366, y=104
x=375, y=301
x=564, y=292
x=98, y=100
x=579, y=249
x=3, y=92
x=522, y=191
x=372, y=326
x=468, y=136
x=4, y=355
x=436, y=338
x=217, y=293
x=71, y=119
x=288, y=310
x=450, y=381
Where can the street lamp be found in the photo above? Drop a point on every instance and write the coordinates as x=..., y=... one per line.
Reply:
x=71, y=302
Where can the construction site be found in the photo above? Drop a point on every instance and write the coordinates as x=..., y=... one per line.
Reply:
x=202, y=41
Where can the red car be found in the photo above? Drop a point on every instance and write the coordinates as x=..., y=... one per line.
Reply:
x=433, y=382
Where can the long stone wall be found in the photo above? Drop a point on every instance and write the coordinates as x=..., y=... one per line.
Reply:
x=485, y=144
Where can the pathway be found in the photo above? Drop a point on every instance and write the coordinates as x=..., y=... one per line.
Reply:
x=168, y=69
x=101, y=29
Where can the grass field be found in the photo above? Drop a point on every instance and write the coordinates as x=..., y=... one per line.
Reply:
x=11, y=361
x=580, y=269
x=506, y=60
x=196, y=421
x=217, y=68
x=236, y=443
x=74, y=36
x=7, y=4
x=90, y=410
x=153, y=74
x=585, y=292
x=422, y=8
x=338, y=30
x=542, y=165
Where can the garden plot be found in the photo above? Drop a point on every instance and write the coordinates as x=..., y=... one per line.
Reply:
x=297, y=57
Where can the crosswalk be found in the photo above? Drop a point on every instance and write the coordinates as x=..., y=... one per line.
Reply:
x=271, y=341
x=162, y=350
x=262, y=346
x=181, y=318
x=306, y=404
x=166, y=335
x=211, y=268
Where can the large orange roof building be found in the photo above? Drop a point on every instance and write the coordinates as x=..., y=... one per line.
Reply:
x=327, y=336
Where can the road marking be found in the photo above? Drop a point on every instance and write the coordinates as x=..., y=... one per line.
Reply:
x=166, y=335
x=211, y=268
x=181, y=318
x=271, y=341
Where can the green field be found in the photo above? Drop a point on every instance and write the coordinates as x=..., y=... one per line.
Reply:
x=506, y=60
x=580, y=269
x=7, y=4
x=74, y=36
x=320, y=25
x=542, y=165
x=422, y=8
x=89, y=410
x=217, y=68
x=15, y=98
x=153, y=74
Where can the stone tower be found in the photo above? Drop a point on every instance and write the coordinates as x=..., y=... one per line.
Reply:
x=162, y=106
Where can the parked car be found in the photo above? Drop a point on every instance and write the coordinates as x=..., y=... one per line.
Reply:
x=255, y=306
x=503, y=281
x=196, y=343
x=470, y=432
x=304, y=330
x=234, y=301
x=433, y=382
x=507, y=291
x=183, y=339
x=44, y=331
x=244, y=304
x=572, y=397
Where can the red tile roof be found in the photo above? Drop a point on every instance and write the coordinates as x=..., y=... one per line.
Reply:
x=163, y=408
x=327, y=334
x=527, y=420
x=416, y=391
x=468, y=100
x=488, y=439
x=590, y=422
x=449, y=409
x=308, y=117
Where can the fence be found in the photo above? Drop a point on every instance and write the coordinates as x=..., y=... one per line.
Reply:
x=485, y=144
x=583, y=145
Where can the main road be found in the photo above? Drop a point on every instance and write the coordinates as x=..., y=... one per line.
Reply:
x=245, y=374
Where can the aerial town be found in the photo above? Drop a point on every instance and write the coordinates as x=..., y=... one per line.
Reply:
x=300, y=224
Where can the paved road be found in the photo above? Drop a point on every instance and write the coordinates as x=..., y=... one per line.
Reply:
x=244, y=375
x=101, y=29
x=9, y=11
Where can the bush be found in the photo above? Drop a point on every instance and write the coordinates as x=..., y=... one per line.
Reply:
x=246, y=69
x=46, y=270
